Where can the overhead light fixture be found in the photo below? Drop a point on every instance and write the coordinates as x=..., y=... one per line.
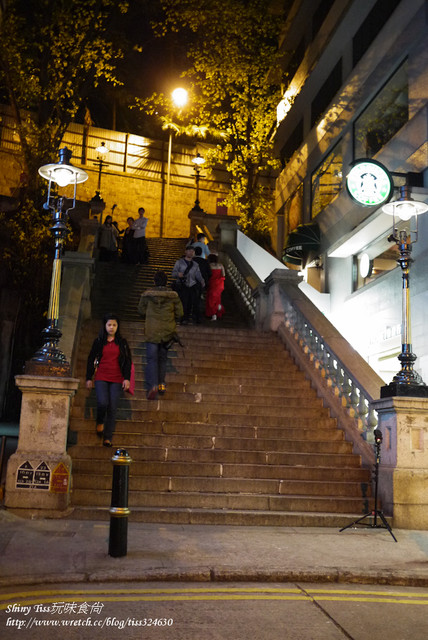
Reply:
x=180, y=97
x=63, y=172
x=102, y=149
x=405, y=207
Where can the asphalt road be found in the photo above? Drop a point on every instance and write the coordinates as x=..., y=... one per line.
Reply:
x=213, y=611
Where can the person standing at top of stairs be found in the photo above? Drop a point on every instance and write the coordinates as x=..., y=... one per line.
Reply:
x=140, y=252
x=201, y=241
x=162, y=309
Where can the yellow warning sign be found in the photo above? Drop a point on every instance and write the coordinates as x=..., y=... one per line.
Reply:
x=60, y=479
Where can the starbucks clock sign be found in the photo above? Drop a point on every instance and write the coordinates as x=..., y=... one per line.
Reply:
x=369, y=183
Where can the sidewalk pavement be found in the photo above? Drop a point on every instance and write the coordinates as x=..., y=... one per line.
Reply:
x=65, y=550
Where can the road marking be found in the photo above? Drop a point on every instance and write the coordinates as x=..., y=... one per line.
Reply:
x=211, y=593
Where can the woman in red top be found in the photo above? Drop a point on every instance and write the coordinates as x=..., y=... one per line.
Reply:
x=110, y=360
x=213, y=305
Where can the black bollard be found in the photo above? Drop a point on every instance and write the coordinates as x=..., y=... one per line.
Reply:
x=119, y=512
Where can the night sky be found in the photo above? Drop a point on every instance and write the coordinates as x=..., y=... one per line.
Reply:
x=150, y=64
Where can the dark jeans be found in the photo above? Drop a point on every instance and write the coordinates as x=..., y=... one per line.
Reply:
x=140, y=250
x=155, y=372
x=108, y=396
x=190, y=299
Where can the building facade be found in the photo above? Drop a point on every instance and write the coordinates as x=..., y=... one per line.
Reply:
x=357, y=87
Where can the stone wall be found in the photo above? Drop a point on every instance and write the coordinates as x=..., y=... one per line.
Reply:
x=133, y=174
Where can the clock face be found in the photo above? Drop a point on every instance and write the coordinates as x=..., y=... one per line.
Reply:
x=369, y=183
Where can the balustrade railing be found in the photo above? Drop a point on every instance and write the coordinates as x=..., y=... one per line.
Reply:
x=338, y=377
x=241, y=285
x=348, y=390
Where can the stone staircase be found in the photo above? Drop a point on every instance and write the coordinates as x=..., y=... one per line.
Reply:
x=117, y=286
x=239, y=438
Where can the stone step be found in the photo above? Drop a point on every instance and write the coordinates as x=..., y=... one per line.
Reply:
x=235, y=403
x=235, y=378
x=207, y=500
x=360, y=489
x=225, y=364
x=223, y=517
x=166, y=442
x=199, y=336
x=227, y=455
x=202, y=411
x=213, y=469
x=175, y=387
x=308, y=474
x=232, y=426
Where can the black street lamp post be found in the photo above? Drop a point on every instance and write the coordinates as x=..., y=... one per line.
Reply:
x=406, y=382
x=97, y=204
x=49, y=359
x=198, y=162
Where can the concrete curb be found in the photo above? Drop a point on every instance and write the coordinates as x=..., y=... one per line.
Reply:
x=335, y=576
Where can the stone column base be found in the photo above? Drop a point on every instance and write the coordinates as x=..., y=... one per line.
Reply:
x=38, y=483
x=403, y=475
x=39, y=473
x=411, y=499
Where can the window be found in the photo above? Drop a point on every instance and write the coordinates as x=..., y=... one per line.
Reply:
x=384, y=116
x=327, y=180
x=326, y=94
x=371, y=26
x=296, y=59
x=294, y=140
x=320, y=15
x=378, y=258
x=293, y=209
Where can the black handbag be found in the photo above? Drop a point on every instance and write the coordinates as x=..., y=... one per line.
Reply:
x=178, y=284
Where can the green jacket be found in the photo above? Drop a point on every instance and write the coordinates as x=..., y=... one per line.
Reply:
x=161, y=309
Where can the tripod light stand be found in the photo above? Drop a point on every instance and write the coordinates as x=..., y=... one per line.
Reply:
x=376, y=513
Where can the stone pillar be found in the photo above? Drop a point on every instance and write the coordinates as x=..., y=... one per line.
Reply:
x=39, y=472
x=403, y=471
x=228, y=232
x=270, y=307
x=88, y=236
x=75, y=298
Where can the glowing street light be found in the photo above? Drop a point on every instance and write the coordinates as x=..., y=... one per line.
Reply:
x=179, y=97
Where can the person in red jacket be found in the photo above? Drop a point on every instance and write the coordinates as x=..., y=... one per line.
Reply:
x=110, y=360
